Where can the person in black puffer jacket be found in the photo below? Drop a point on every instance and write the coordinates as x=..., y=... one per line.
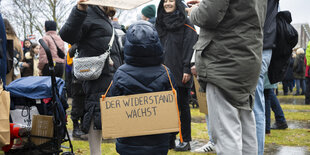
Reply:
x=90, y=27
x=142, y=73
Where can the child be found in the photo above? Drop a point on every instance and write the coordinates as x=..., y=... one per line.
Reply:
x=27, y=46
x=142, y=73
x=30, y=64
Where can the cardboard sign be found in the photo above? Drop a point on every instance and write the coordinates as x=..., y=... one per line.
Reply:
x=140, y=114
x=201, y=97
x=121, y=4
x=42, y=125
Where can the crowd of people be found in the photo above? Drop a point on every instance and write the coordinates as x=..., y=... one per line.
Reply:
x=232, y=53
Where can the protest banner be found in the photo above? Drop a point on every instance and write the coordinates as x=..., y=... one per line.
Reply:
x=140, y=114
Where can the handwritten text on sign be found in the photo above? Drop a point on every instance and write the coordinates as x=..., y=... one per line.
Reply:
x=149, y=104
x=140, y=114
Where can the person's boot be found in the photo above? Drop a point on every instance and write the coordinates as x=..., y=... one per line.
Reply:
x=77, y=133
x=185, y=146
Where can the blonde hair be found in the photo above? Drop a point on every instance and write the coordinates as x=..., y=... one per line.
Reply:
x=300, y=51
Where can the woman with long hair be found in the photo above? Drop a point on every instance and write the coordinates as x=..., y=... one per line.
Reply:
x=16, y=53
x=178, y=37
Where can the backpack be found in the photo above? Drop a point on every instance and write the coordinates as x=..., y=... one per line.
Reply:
x=300, y=64
x=286, y=40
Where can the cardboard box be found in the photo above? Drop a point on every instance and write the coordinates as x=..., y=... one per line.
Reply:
x=121, y=4
x=140, y=114
x=201, y=97
x=42, y=125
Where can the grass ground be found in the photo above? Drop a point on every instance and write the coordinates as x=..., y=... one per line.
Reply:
x=288, y=137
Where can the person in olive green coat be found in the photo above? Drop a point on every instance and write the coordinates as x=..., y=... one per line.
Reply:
x=228, y=62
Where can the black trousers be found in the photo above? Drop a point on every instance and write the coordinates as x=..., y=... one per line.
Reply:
x=59, y=70
x=185, y=114
x=307, y=94
x=78, y=101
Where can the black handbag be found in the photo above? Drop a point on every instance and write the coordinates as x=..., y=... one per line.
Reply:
x=60, y=53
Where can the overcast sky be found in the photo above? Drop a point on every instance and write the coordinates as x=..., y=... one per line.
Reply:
x=300, y=9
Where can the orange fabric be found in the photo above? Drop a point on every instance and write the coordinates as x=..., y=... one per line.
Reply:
x=190, y=27
x=175, y=97
x=69, y=59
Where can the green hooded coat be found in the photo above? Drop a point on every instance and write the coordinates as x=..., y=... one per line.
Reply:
x=229, y=48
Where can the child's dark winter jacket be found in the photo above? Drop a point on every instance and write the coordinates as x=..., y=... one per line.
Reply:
x=142, y=73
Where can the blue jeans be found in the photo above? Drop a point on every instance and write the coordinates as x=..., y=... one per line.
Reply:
x=259, y=106
x=301, y=82
x=272, y=102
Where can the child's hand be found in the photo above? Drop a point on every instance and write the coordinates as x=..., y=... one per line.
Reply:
x=82, y=7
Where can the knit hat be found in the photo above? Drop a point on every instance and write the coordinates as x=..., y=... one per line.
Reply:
x=149, y=11
x=50, y=26
x=142, y=45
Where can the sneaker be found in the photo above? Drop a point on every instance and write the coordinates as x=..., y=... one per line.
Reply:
x=279, y=126
x=209, y=147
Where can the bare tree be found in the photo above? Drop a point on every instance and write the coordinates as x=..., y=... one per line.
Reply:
x=28, y=16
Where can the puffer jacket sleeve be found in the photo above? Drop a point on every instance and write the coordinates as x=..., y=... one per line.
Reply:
x=209, y=13
x=73, y=29
x=42, y=55
x=190, y=39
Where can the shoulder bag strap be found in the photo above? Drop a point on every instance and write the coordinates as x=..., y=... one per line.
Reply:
x=111, y=41
x=55, y=42
x=176, y=102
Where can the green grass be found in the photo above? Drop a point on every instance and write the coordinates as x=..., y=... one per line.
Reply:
x=290, y=97
x=82, y=148
x=195, y=113
x=295, y=116
x=289, y=137
x=295, y=107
